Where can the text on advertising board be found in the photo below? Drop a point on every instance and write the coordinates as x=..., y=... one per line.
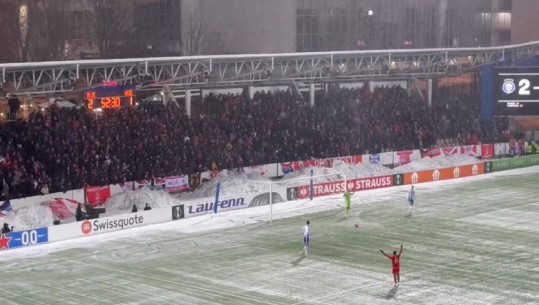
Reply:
x=88, y=227
x=23, y=238
x=330, y=188
x=223, y=204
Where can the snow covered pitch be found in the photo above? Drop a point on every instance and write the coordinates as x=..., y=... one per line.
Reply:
x=471, y=241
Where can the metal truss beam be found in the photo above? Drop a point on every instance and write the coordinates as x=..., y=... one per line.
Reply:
x=238, y=70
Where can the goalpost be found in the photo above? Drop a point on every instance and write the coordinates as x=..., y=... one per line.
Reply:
x=288, y=188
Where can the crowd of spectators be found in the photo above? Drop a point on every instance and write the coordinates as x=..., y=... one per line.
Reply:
x=62, y=149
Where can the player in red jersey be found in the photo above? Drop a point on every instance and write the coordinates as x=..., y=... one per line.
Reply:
x=396, y=262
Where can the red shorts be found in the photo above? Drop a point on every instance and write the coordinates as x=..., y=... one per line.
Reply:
x=396, y=270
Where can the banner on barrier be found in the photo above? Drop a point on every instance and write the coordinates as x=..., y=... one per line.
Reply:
x=501, y=149
x=103, y=225
x=518, y=162
x=295, y=166
x=404, y=157
x=206, y=205
x=469, y=150
x=431, y=153
x=375, y=159
x=63, y=208
x=159, y=183
x=176, y=184
x=336, y=187
x=107, y=224
x=444, y=173
x=97, y=195
x=353, y=160
x=21, y=239
x=487, y=151
x=450, y=151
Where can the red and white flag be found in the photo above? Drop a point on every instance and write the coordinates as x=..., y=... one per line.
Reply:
x=176, y=184
x=404, y=157
x=144, y=183
x=469, y=150
x=97, y=195
x=449, y=151
x=487, y=151
x=434, y=152
x=63, y=208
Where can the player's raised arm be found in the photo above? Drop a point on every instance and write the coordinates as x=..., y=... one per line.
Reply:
x=400, y=250
x=381, y=251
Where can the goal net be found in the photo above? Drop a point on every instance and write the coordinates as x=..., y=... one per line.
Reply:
x=304, y=187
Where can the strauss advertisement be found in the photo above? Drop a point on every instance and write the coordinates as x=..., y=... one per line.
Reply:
x=355, y=185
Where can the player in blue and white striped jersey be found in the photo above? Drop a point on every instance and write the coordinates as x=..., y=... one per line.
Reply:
x=411, y=200
x=306, y=237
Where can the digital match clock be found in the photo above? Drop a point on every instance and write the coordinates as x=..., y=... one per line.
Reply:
x=110, y=97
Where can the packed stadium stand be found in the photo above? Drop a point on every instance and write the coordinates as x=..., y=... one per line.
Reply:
x=62, y=149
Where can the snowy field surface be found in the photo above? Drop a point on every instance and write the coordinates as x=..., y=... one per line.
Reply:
x=471, y=241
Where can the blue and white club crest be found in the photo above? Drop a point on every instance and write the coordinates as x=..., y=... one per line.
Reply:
x=509, y=86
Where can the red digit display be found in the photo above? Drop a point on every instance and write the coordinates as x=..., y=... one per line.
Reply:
x=110, y=98
x=110, y=102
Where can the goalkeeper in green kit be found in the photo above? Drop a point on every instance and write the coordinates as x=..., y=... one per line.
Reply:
x=347, y=200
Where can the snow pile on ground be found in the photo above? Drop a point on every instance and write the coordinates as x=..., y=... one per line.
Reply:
x=428, y=163
x=37, y=216
x=31, y=217
x=362, y=170
x=230, y=185
x=240, y=183
x=124, y=201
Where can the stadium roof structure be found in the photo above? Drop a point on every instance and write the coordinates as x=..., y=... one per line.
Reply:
x=199, y=72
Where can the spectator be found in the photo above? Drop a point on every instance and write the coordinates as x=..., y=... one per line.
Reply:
x=134, y=209
x=6, y=229
x=61, y=149
x=147, y=207
x=79, y=215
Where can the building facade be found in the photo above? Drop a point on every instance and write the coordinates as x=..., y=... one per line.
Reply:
x=399, y=24
x=53, y=30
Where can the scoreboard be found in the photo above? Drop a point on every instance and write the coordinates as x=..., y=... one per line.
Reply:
x=110, y=96
x=517, y=91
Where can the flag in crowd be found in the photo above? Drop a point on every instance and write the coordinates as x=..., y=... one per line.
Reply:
x=6, y=209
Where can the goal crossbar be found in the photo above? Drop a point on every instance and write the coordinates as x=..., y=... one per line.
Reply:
x=308, y=178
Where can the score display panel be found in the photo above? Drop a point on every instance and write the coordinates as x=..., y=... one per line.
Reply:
x=110, y=97
x=517, y=91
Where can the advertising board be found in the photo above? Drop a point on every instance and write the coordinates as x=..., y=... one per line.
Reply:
x=25, y=238
x=506, y=164
x=108, y=224
x=339, y=187
x=444, y=173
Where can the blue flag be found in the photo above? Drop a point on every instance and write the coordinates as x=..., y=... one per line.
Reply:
x=374, y=159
